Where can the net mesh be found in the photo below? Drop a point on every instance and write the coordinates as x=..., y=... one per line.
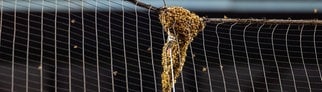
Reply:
x=86, y=49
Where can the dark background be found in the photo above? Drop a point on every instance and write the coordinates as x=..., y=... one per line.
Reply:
x=127, y=28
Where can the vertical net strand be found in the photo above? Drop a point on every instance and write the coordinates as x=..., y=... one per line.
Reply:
x=27, y=55
x=261, y=57
x=194, y=68
x=248, y=59
x=303, y=61
x=206, y=59
x=151, y=51
x=97, y=54
x=219, y=58
x=13, y=48
x=110, y=43
x=83, y=48
x=315, y=52
x=233, y=56
x=288, y=57
x=275, y=60
x=137, y=45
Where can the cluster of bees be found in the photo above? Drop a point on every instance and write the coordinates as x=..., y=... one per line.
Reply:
x=182, y=26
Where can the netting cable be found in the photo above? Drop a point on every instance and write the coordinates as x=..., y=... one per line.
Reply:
x=137, y=45
x=233, y=55
x=151, y=51
x=276, y=63
x=261, y=57
x=288, y=57
x=303, y=61
x=42, y=48
x=83, y=48
x=248, y=61
x=69, y=51
x=1, y=10
x=315, y=52
x=124, y=48
x=13, y=49
x=97, y=54
x=194, y=68
x=56, y=75
x=219, y=58
x=110, y=43
x=171, y=38
x=27, y=55
x=206, y=59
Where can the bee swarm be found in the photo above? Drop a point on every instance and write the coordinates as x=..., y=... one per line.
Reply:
x=181, y=26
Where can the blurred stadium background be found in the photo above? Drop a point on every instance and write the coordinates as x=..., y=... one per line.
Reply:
x=101, y=34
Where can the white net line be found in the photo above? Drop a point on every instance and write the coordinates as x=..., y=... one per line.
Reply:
x=261, y=58
x=248, y=63
x=69, y=52
x=277, y=67
x=274, y=55
x=220, y=63
x=289, y=61
x=120, y=51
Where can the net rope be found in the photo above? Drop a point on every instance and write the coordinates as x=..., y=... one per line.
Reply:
x=109, y=51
